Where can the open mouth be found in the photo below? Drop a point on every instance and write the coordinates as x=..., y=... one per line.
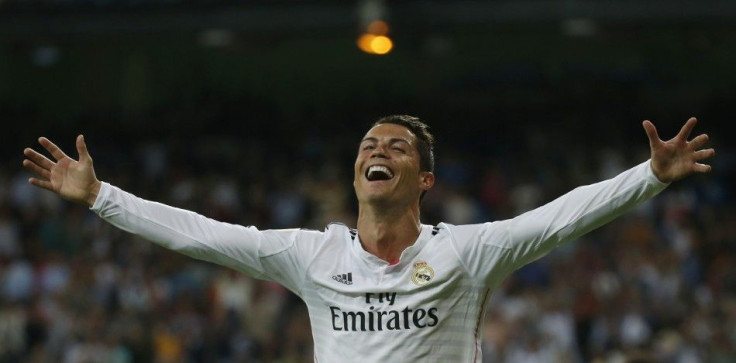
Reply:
x=378, y=172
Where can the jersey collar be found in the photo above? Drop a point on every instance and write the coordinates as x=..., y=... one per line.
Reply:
x=407, y=255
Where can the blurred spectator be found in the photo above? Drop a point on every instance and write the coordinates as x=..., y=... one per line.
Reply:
x=658, y=284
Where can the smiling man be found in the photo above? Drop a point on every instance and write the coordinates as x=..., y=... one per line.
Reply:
x=393, y=170
x=393, y=289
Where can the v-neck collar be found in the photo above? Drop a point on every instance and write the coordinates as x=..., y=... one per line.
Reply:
x=406, y=255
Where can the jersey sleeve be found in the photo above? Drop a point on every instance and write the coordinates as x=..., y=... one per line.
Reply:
x=491, y=251
x=269, y=254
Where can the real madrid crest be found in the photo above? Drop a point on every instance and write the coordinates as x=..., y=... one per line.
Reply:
x=422, y=274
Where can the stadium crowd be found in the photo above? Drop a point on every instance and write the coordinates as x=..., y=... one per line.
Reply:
x=657, y=284
x=659, y=281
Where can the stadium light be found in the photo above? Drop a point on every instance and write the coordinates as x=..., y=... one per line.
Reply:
x=375, y=44
x=374, y=29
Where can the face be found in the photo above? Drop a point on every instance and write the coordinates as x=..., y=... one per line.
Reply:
x=387, y=166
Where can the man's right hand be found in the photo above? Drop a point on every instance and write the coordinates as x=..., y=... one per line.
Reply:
x=74, y=180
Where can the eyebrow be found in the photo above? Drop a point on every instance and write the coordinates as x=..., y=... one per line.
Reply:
x=390, y=141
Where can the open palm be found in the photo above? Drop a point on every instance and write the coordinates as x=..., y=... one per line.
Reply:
x=74, y=180
x=677, y=158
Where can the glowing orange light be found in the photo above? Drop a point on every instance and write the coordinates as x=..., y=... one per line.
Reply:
x=364, y=42
x=381, y=44
x=378, y=27
x=375, y=44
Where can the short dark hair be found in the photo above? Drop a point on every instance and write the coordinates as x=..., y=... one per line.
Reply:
x=425, y=144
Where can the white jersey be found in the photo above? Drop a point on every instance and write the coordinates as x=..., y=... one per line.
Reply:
x=427, y=307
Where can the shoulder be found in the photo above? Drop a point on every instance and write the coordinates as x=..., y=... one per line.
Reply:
x=338, y=229
x=451, y=229
x=473, y=233
x=332, y=232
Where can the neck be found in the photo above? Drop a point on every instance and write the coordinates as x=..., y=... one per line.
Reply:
x=386, y=232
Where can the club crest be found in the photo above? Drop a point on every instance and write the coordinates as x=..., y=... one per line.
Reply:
x=422, y=274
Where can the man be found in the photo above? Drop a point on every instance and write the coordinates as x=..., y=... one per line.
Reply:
x=393, y=289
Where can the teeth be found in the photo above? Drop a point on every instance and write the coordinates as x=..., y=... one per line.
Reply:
x=380, y=168
x=376, y=170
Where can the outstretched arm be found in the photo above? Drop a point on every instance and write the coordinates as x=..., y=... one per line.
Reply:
x=494, y=250
x=677, y=158
x=262, y=254
x=74, y=180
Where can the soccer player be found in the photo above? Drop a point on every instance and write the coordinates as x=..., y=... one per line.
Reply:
x=393, y=289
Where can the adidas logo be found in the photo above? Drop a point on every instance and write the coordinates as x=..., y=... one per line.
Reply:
x=346, y=279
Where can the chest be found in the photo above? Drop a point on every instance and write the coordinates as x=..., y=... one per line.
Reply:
x=349, y=282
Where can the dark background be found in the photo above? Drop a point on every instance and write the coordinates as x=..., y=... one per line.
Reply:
x=244, y=111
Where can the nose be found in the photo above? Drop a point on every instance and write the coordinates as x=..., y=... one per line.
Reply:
x=380, y=152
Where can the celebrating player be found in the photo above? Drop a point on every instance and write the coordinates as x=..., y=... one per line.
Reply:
x=393, y=289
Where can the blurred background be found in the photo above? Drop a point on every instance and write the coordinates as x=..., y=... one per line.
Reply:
x=250, y=112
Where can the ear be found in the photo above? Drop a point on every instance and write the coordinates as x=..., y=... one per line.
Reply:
x=426, y=180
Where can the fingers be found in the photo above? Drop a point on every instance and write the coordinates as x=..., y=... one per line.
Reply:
x=37, y=158
x=701, y=168
x=651, y=132
x=41, y=183
x=704, y=154
x=41, y=166
x=52, y=148
x=687, y=128
x=684, y=133
x=699, y=141
x=82, y=149
x=33, y=167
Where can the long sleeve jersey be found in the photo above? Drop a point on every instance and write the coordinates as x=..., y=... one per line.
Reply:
x=427, y=307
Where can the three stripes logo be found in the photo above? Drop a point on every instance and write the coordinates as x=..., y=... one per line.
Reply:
x=346, y=279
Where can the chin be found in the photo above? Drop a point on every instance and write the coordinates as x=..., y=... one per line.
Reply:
x=376, y=198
